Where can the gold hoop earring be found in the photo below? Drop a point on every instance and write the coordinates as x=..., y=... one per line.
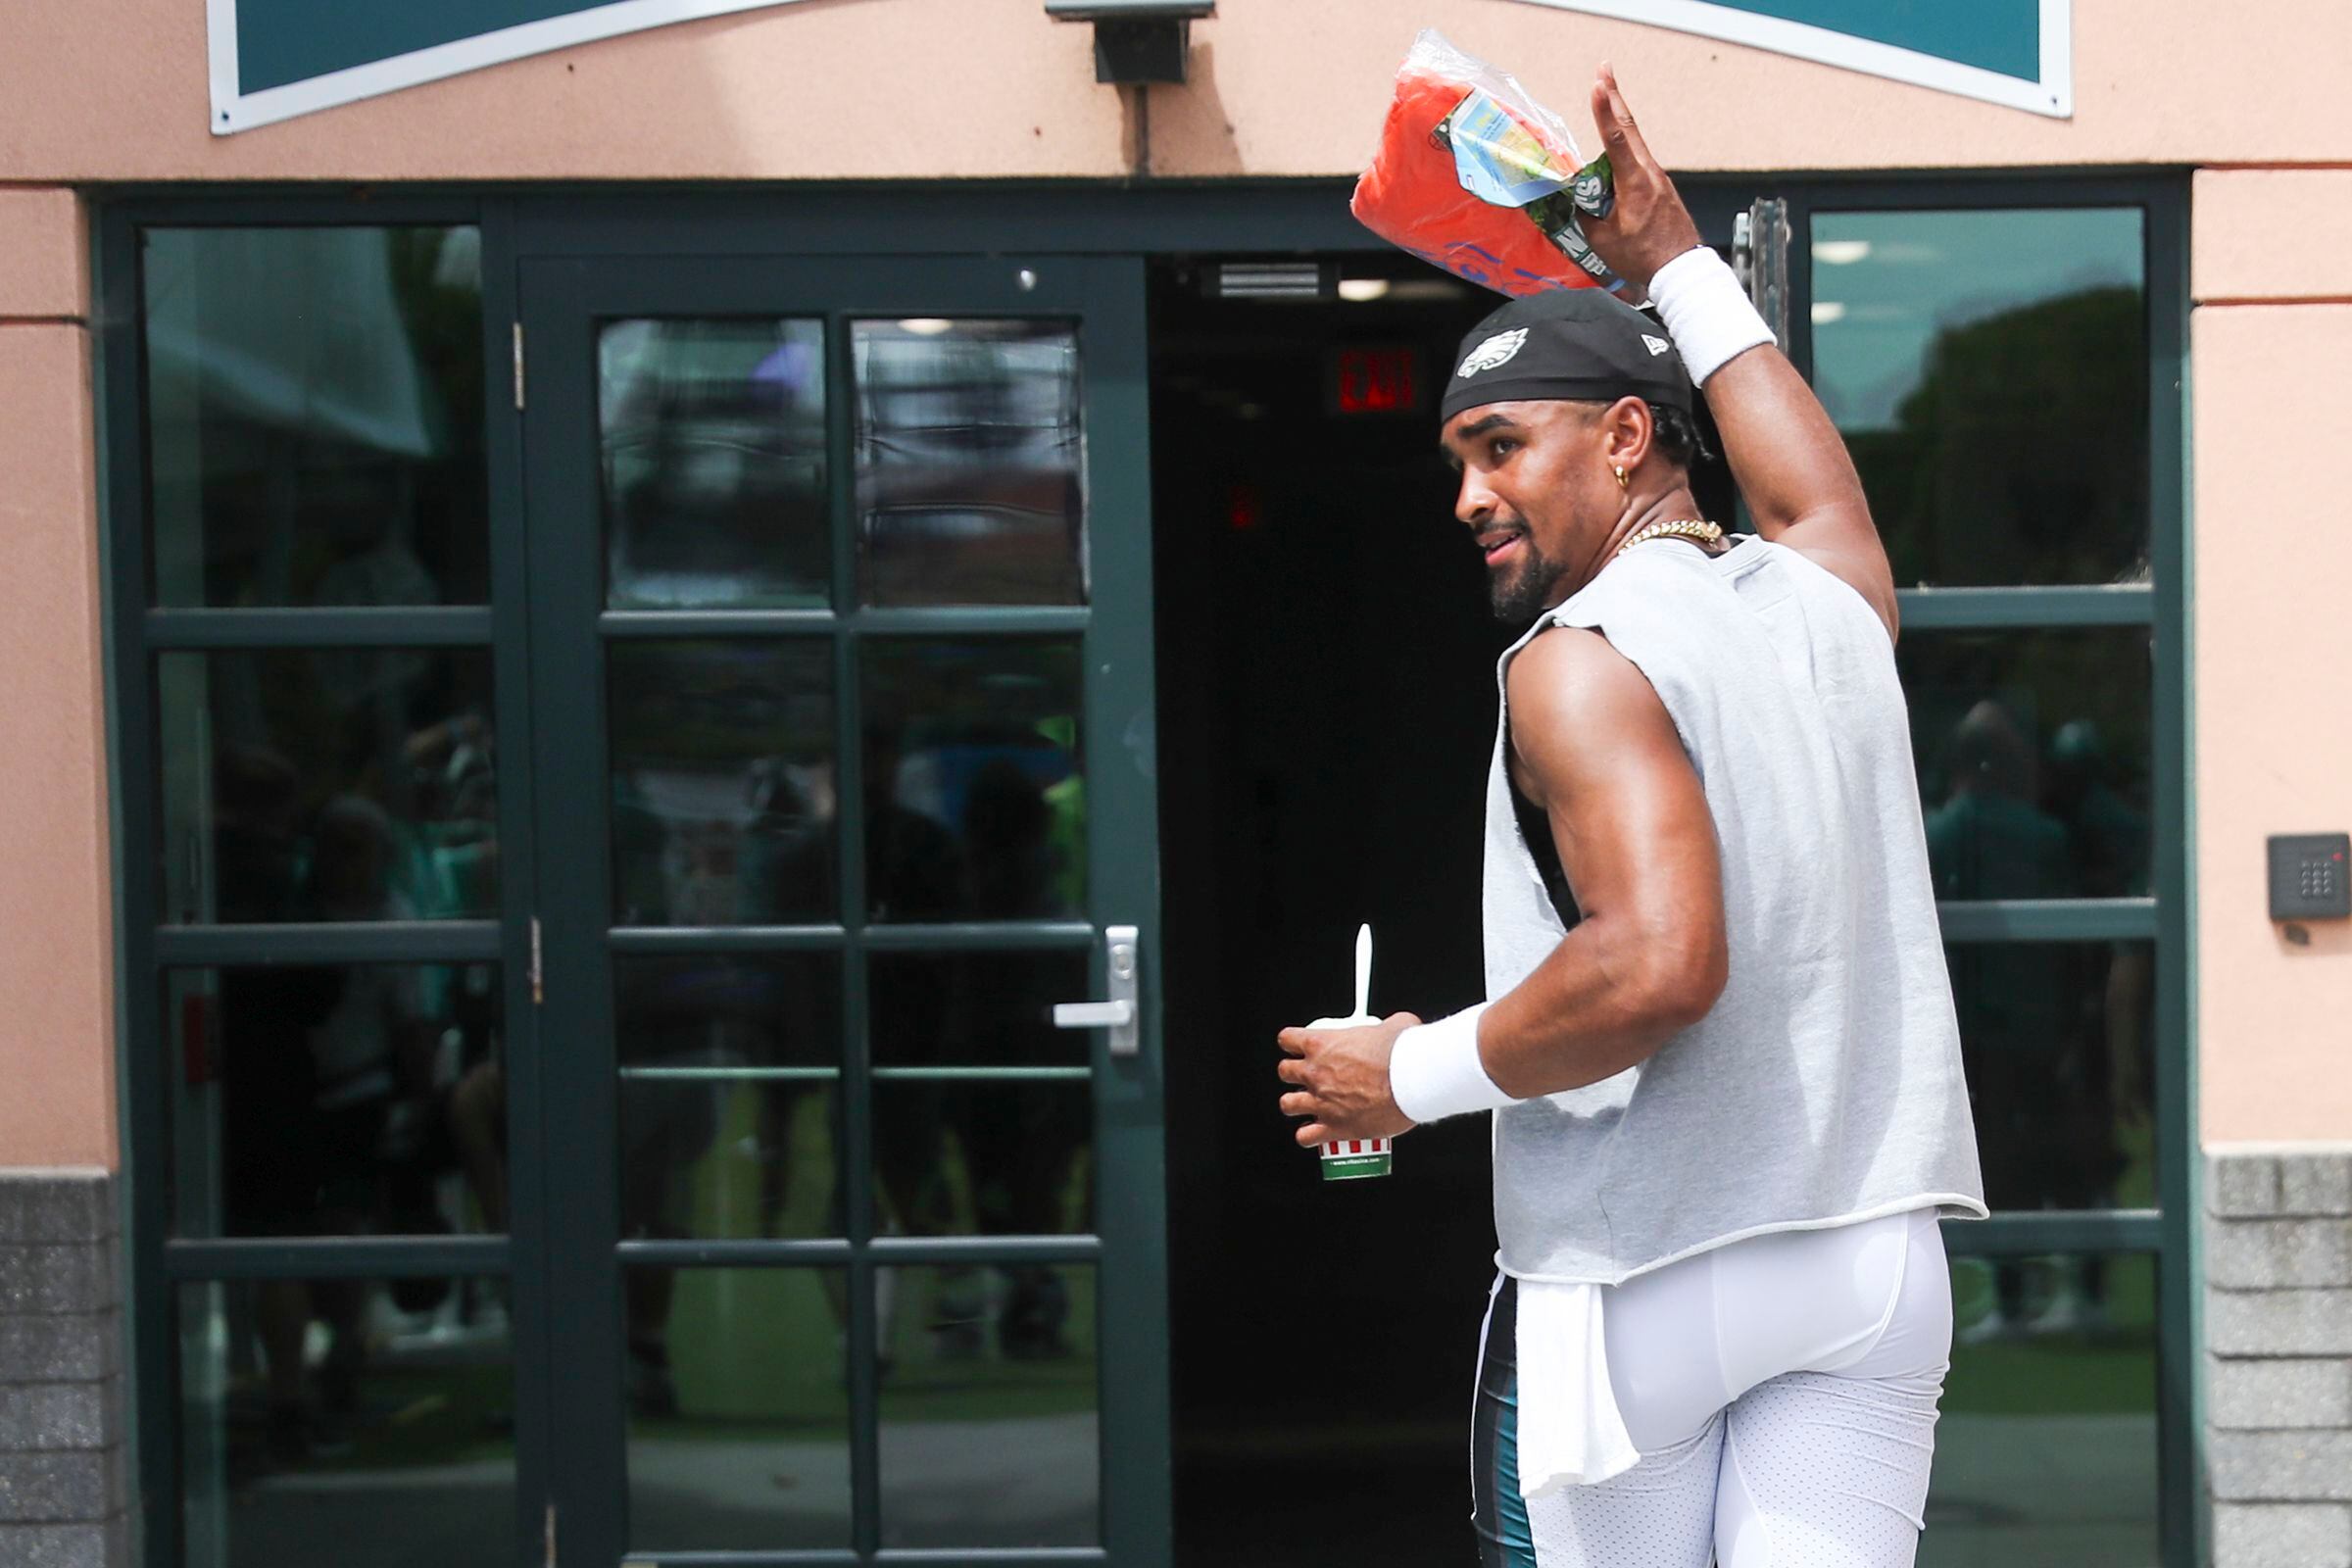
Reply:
x=1618, y=468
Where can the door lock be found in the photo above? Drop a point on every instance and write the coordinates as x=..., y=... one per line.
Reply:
x=1122, y=1013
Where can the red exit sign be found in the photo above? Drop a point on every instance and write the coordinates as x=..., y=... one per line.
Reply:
x=1376, y=380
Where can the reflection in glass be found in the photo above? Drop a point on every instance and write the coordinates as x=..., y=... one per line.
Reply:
x=714, y=441
x=728, y=1112
x=2033, y=752
x=970, y=486
x=983, y=1117
x=2045, y=1450
x=971, y=1156
x=990, y=1430
x=329, y=784
x=975, y=1010
x=314, y=416
x=723, y=782
x=350, y=1100
x=1990, y=371
x=976, y=809
x=2059, y=1041
x=306, y=1441
x=739, y=1409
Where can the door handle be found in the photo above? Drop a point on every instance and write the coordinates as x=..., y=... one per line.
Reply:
x=1122, y=1013
x=1093, y=1014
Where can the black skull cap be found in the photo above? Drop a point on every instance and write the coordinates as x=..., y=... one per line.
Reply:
x=1580, y=343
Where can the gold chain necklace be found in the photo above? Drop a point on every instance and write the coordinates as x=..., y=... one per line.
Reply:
x=1708, y=534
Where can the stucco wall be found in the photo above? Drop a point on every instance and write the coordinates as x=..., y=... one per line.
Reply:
x=117, y=90
x=2272, y=450
x=990, y=87
x=57, y=1097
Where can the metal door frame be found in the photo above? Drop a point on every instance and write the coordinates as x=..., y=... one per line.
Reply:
x=1068, y=219
x=563, y=299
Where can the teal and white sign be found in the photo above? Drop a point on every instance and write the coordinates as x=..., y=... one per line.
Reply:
x=2014, y=51
x=275, y=58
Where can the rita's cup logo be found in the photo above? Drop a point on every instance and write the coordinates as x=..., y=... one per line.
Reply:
x=1495, y=351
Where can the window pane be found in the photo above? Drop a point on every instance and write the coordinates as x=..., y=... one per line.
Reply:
x=347, y=1422
x=2059, y=1041
x=722, y=783
x=2034, y=756
x=315, y=409
x=1990, y=371
x=983, y=1111
x=990, y=1431
x=350, y=1099
x=977, y=1009
x=971, y=463
x=329, y=784
x=739, y=1409
x=976, y=807
x=2045, y=1450
x=714, y=442
x=729, y=1116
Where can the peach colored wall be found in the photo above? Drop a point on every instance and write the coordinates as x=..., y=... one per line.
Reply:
x=2272, y=453
x=57, y=1049
x=990, y=87
x=916, y=88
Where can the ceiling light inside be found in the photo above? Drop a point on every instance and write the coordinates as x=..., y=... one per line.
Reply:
x=1840, y=252
x=1363, y=290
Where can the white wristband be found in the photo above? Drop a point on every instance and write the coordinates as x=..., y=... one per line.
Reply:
x=1435, y=1071
x=1706, y=311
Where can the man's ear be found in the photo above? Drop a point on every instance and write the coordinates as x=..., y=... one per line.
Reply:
x=1628, y=431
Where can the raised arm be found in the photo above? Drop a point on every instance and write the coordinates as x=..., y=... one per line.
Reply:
x=1788, y=458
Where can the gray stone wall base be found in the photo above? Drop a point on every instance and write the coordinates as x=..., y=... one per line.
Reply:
x=91, y=1546
x=2277, y=1246
x=2282, y=1534
x=64, y=1488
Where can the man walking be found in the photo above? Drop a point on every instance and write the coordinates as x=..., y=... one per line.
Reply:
x=1719, y=1042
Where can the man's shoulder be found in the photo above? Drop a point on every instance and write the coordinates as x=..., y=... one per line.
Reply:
x=1562, y=651
x=1572, y=677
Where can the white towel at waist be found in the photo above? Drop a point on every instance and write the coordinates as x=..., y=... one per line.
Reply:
x=1571, y=1431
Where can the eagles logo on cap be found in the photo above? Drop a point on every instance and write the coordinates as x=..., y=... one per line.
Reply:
x=1575, y=343
x=1495, y=350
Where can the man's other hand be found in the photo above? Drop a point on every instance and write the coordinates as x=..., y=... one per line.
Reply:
x=1650, y=225
x=1341, y=1078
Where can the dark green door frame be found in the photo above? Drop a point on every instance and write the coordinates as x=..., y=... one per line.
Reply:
x=522, y=225
x=565, y=302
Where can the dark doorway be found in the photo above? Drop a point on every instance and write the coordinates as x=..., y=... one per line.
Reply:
x=1327, y=710
x=1326, y=701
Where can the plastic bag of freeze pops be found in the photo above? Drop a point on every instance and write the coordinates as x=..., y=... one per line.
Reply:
x=1476, y=177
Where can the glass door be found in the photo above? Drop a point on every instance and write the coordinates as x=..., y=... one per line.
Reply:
x=841, y=633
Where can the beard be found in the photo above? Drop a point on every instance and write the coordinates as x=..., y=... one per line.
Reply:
x=1522, y=592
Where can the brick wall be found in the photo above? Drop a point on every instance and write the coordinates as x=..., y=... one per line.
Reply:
x=2279, y=1354
x=63, y=1454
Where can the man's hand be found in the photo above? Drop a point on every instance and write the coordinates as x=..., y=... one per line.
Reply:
x=1650, y=225
x=1342, y=1080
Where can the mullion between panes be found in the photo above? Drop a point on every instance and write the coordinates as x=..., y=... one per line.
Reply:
x=857, y=1090
x=1990, y=920
x=2033, y=1233
x=303, y=627
x=422, y=941
x=353, y=1258
x=2022, y=609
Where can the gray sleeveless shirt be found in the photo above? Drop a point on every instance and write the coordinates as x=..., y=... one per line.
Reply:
x=1825, y=1086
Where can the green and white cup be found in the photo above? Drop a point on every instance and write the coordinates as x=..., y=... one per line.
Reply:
x=1348, y=1159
